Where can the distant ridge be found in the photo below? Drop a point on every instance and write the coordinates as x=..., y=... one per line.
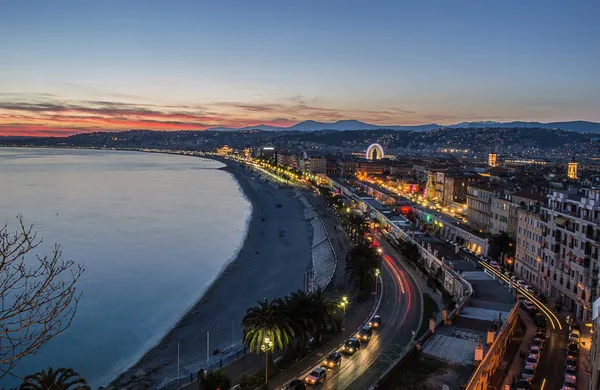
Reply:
x=351, y=124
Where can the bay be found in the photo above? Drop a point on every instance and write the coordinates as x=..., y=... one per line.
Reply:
x=153, y=231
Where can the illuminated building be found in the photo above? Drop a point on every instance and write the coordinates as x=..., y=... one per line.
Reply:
x=572, y=170
x=492, y=157
x=224, y=150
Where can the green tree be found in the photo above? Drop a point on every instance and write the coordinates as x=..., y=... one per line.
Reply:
x=60, y=379
x=299, y=309
x=362, y=261
x=215, y=380
x=324, y=314
x=267, y=320
x=501, y=243
x=357, y=226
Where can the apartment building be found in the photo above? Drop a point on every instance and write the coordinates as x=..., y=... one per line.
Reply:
x=455, y=188
x=479, y=204
x=504, y=208
x=529, y=247
x=572, y=240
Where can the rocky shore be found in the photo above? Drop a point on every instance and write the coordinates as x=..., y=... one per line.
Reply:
x=269, y=264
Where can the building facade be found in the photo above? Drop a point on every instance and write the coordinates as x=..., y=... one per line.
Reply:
x=479, y=206
x=528, y=257
x=571, y=247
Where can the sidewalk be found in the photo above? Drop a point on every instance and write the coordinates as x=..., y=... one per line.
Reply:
x=511, y=360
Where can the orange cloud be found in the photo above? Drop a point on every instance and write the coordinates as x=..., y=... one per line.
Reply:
x=46, y=115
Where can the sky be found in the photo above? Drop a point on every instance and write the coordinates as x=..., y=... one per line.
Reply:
x=77, y=66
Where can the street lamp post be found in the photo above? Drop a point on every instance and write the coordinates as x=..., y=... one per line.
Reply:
x=343, y=304
x=267, y=346
x=377, y=273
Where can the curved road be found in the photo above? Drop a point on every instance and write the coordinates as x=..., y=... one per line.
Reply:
x=400, y=313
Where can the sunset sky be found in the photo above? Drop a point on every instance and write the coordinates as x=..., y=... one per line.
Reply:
x=76, y=66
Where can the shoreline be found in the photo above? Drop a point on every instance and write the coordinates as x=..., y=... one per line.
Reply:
x=243, y=270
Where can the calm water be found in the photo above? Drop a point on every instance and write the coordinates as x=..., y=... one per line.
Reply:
x=153, y=231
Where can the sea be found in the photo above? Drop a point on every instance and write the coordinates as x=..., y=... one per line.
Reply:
x=151, y=230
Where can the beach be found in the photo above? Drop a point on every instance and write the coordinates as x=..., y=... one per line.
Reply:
x=268, y=265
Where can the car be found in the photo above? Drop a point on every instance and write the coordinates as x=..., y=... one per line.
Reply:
x=494, y=263
x=352, y=345
x=521, y=283
x=529, y=289
x=522, y=384
x=375, y=322
x=334, y=359
x=541, y=334
x=296, y=384
x=540, y=321
x=535, y=353
x=571, y=364
x=570, y=384
x=528, y=373
x=365, y=333
x=532, y=360
x=537, y=343
x=318, y=375
x=573, y=349
x=535, y=347
x=574, y=336
x=528, y=305
x=571, y=375
x=567, y=387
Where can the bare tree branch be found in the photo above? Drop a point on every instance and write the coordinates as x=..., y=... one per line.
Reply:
x=38, y=298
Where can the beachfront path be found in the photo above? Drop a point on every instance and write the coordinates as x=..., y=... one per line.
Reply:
x=268, y=265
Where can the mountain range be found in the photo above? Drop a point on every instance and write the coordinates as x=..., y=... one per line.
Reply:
x=310, y=125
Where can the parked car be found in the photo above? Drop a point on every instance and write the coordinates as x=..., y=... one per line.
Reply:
x=573, y=349
x=570, y=384
x=529, y=288
x=574, y=338
x=532, y=360
x=535, y=347
x=296, y=384
x=540, y=334
x=521, y=283
x=537, y=343
x=528, y=305
x=352, y=345
x=540, y=321
x=375, y=321
x=334, y=359
x=571, y=375
x=523, y=384
x=535, y=353
x=528, y=373
x=365, y=333
x=571, y=364
x=318, y=375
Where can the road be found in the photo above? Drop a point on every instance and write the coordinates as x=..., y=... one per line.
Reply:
x=400, y=311
x=549, y=374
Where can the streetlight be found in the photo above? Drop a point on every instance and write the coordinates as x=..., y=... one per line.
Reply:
x=377, y=273
x=343, y=305
x=267, y=346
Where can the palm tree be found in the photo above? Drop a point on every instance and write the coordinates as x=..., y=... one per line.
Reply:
x=362, y=263
x=358, y=225
x=267, y=320
x=323, y=316
x=60, y=379
x=299, y=308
